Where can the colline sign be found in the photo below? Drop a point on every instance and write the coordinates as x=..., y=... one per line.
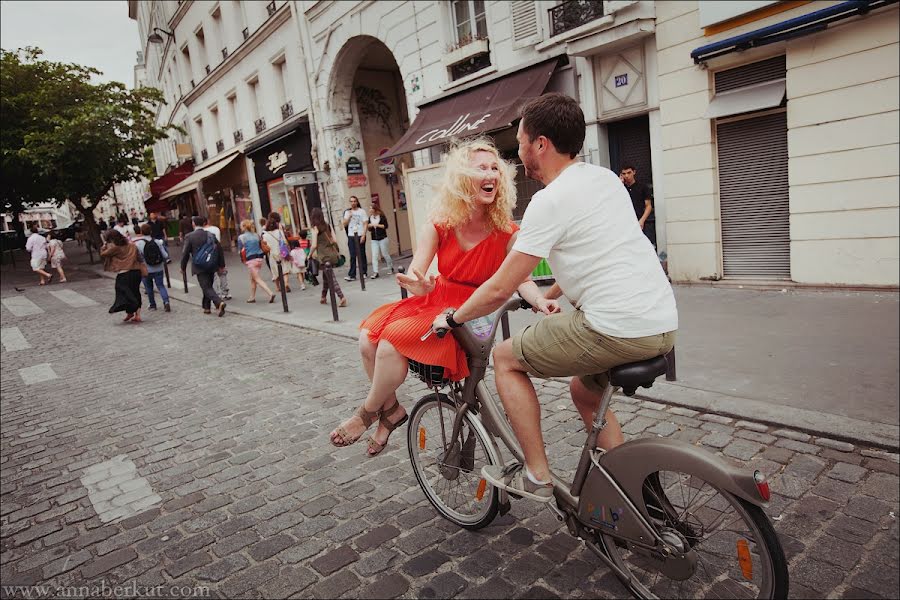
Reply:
x=459, y=126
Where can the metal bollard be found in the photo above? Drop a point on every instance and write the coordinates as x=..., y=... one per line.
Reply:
x=168, y=281
x=184, y=277
x=670, y=365
x=359, y=263
x=328, y=280
x=283, y=287
x=404, y=294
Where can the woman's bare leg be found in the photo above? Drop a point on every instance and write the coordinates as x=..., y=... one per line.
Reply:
x=260, y=282
x=387, y=369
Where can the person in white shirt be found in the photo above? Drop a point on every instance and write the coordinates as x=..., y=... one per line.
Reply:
x=36, y=245
x=356, y=221
x=125, y=228
x=220, y=283
x=583, y=223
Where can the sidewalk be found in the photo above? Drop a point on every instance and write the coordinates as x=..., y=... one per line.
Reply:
x=825, y=362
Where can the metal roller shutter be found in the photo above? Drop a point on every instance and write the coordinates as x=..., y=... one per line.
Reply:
x=753, y=197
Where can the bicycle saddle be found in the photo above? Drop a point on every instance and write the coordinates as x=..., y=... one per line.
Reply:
x=632, y=375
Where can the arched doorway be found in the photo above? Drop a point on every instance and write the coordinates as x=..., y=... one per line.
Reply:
x=367, y=105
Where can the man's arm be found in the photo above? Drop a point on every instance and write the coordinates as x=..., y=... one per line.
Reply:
x=648, y=208
x=186, y=252
x=495, y=291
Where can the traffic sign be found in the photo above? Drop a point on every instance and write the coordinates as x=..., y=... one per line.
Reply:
x=385, y=161
x=387, y=169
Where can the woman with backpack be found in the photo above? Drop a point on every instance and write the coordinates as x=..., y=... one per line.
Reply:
x=250, y=247
x=155, y=256
x=324, y=249
x=275, y=244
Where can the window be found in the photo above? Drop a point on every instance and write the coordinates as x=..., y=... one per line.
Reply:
x=219, y=32
x=216, y=129
x=253, y=86
x=240, y=18
x=468, y=20
x=201, y=139
x=232, y=111
x=188, y=70
x=201, y=43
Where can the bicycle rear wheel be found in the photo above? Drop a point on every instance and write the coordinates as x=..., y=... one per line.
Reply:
x=738, y=553
x=449, y=471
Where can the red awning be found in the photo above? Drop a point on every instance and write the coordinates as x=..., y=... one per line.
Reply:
x=164, y=182
x=487, y=107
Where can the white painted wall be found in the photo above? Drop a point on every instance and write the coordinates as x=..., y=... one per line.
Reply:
x=842, y=87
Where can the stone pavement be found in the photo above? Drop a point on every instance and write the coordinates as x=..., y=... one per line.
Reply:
x=213, y=435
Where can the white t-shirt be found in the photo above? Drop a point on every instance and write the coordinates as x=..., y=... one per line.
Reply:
x=125, y=230
x=36, y=245
x=215, y=231
x=357, y=224
x=583, y=224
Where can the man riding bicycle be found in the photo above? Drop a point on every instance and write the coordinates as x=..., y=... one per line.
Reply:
x=583, y=223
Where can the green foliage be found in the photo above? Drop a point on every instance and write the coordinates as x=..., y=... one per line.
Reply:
x=66, y=138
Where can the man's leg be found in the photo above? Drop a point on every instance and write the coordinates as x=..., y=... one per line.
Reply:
x=363, y=261
x=224, y=291
x=148, y=287
x=522, y=408
x=158, y=278
x=587, y=402
x=353, y=246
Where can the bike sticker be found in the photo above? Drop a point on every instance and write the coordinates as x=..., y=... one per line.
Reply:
x=744, y=559
x=606, y=517
x=481, y=326
x=421, y=438
x=479, y=494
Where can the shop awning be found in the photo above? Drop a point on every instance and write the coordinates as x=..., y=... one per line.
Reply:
x=753, y=97
x=487, y=107
x=191, y=183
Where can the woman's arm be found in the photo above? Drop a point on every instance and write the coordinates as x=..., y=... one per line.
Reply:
x=417, y=281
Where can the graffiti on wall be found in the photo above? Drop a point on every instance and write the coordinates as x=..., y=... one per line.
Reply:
x=350, y=144
x=373, y=104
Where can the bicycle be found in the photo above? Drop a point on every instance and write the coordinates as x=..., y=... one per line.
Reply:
x=669, y=519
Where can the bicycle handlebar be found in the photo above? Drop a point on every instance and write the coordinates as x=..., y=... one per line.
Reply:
x=514, y=303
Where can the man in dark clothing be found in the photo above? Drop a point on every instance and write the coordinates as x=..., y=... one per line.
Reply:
x=157, y=227
x=184, y=227
x=193, y=242
x=642, y=200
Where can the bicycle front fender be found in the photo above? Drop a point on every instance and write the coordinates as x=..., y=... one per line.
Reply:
x=631, y=463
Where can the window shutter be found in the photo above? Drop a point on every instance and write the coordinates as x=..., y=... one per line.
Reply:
x=525, y=28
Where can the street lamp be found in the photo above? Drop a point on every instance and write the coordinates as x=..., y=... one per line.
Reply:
x=155, y=38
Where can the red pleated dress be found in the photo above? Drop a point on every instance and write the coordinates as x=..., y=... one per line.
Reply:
x=403, y=323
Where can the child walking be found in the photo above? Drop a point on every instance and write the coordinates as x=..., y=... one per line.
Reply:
x=56, y=255
x=298, y=260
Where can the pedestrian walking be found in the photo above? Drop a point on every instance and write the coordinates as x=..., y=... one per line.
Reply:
x=279, y=251
x=205, y=254
x=155, y=256
x=158, y=228
x=122, y=258
x=124, y=227
x=355, y=220
x=36, y=245
x=262, y=227
x=324, y=248
x=220, y=282
x=56, y=254
x=250, y=248
x=378, y=226
x=298, y=263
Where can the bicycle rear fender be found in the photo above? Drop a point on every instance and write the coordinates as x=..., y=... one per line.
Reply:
x=631, y=463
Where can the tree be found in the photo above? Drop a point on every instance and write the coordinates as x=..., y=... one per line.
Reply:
x=66, y=138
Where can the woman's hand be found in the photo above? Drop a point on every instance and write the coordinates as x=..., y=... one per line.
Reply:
x=418, y=285
x=545, y=305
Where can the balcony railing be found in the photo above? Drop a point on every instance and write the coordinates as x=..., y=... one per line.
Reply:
x=270, y=8
x=224, y=53
x=220, y=145
x=260, y=125
x=208, y=70
x=287, y=109
x=245, y=32
x=572, y=14
x=238, y=136
x=204, y=154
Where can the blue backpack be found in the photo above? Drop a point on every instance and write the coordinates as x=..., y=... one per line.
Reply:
x=206, y=258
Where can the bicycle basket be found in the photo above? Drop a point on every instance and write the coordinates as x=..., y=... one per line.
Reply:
x=432, y=375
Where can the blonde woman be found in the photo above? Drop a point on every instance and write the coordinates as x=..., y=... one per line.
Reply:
x=250, y=249
x=471, y=231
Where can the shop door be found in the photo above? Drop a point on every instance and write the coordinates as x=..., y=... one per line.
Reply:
x=753, y=197
x=629, y=144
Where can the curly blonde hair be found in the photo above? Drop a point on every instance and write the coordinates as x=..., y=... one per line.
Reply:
x=455, y=198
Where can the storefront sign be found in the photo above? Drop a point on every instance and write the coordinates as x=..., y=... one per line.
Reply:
x=356, y=181
x=354, y=166
x=460, y=125
x=277, y=161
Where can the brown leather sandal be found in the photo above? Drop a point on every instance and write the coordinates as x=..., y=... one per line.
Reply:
x=344, y=436
x=374, y=447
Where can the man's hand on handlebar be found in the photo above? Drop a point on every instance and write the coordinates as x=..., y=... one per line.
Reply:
x=545, y=305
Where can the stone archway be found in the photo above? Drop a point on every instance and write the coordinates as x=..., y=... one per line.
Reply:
x=367, y=111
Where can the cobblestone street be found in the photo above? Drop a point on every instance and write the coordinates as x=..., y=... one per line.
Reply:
x=193, y=451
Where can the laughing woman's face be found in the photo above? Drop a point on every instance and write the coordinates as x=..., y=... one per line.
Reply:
x=486, y=185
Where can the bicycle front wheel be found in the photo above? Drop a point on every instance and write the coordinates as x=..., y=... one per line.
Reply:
x=449, y=470
x=738, y=554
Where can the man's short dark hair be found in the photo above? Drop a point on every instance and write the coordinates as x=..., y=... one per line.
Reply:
x=558, y=118
x=626, y=167
x=198, y=221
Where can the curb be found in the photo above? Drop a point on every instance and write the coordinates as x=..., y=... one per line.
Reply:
x=836, y=427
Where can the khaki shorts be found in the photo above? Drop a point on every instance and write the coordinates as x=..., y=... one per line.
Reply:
x=564, y=344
